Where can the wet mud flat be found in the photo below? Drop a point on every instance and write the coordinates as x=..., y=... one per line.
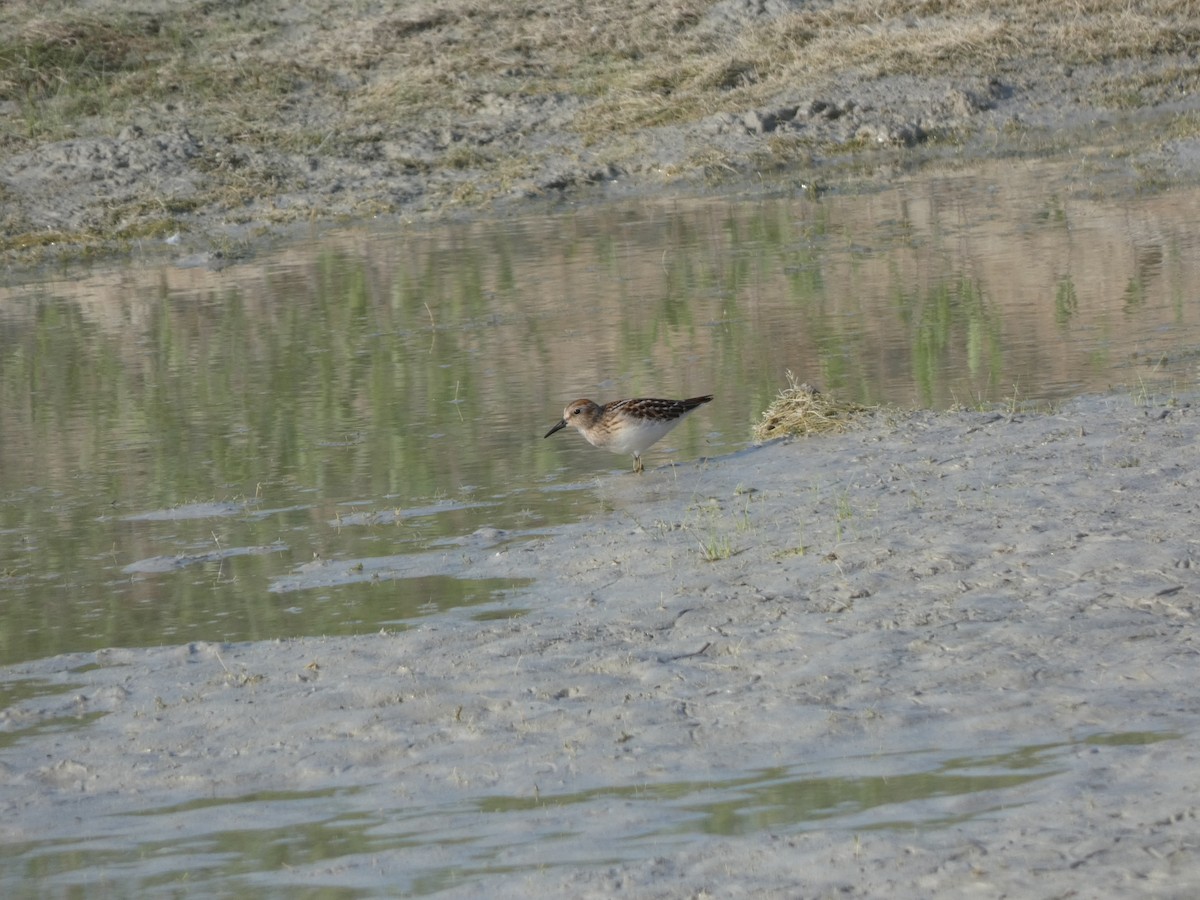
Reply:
x=1008, y=598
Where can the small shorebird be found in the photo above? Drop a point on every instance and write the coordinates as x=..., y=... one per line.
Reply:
x=626, y=426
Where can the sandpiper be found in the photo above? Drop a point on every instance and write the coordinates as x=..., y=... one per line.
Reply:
x=626, y=426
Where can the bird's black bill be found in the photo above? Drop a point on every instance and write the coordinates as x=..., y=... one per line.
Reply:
x=562, y=424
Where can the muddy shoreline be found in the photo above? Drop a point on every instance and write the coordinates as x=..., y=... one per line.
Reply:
x=1012, y=591
x=929, y=594
x=222, y=128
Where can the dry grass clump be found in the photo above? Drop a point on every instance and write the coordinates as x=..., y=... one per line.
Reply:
x=801, y=409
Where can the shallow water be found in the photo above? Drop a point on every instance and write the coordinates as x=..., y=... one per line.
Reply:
x=187, y=453
x=372, y=842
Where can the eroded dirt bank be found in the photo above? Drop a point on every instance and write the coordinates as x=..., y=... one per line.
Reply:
x=123, y=126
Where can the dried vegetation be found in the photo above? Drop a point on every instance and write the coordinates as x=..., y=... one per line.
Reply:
x=480, y=97
x=802, y=410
